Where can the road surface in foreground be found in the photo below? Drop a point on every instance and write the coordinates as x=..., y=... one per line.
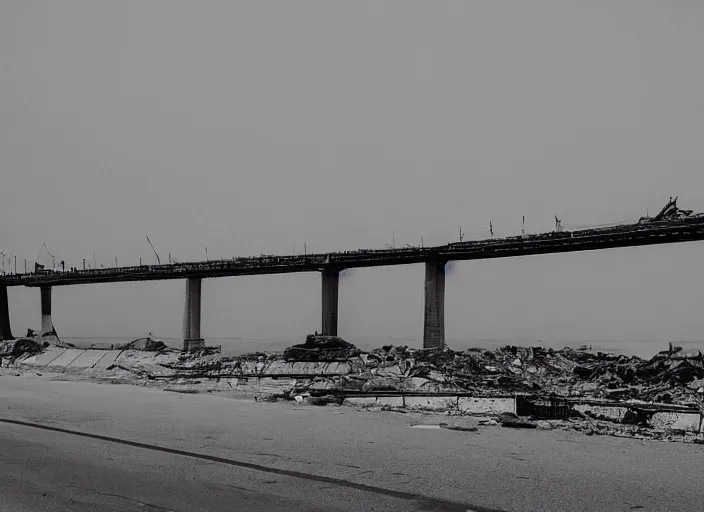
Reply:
x=82, y=446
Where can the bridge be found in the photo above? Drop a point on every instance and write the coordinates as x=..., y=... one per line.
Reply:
x=671, y=225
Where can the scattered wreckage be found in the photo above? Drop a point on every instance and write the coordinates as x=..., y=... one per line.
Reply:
x=587, y=390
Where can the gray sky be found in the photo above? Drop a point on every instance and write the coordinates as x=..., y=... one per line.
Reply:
x=255, y=126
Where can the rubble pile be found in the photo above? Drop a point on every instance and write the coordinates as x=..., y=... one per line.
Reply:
x=670, y=376
x=146, y=344
x=330, y=364
x=591, y=427
x=505, y=370
x=19, y=347
x=576, y=389
x=321, y=348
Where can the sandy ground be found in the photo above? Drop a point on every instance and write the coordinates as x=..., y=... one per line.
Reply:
x=493, y=469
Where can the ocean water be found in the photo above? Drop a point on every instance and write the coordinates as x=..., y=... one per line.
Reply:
x=237, y=346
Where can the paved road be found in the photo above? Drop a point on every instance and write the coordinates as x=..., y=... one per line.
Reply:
x=50, y=471
x=201, y=452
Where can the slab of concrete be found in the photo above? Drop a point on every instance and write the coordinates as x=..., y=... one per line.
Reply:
x=676, y=420
x=47, y=357
x=28, y=360
x=269, y=385
x=374, y=401
x=69, y=355
x=87, y=359
x=688, y=421
x=431, y=403
x=294, y=368
x=109, y=357
x=609, y=413
x=486, y=405
x=313, y=368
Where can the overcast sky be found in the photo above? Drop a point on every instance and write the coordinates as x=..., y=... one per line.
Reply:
x=257, y=126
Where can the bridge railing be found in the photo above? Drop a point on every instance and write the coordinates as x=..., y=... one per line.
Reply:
x=634, y=234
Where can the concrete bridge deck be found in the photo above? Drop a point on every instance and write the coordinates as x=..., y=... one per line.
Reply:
x=673, y=231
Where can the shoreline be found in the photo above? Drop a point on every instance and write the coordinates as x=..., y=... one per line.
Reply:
x=236, y=347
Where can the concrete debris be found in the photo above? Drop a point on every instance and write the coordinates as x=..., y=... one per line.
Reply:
x=146, y=344
x=321, y=348
x=266, y=397
x=578, y=389
x=536, y=370
x=604, y=428
x=51, y=339
x=329, y=365
x=31, y=345
x=16, y=348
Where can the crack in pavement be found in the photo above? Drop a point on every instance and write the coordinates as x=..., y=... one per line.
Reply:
x=241, y=488
x=141, y=504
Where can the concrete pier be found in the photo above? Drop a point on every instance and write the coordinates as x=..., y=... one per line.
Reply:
x=434, y=318
x=5, y=330
x=331, y=281
x=191, y=315
x=47, y=322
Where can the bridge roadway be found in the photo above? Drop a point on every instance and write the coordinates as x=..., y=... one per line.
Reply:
x=685, y=230
x=677, y=230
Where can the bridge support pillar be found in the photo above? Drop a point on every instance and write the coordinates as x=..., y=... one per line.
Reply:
x=5, y=330
x=434, y=319
x=191, y=315
x=331, y=281
x=47, y=322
